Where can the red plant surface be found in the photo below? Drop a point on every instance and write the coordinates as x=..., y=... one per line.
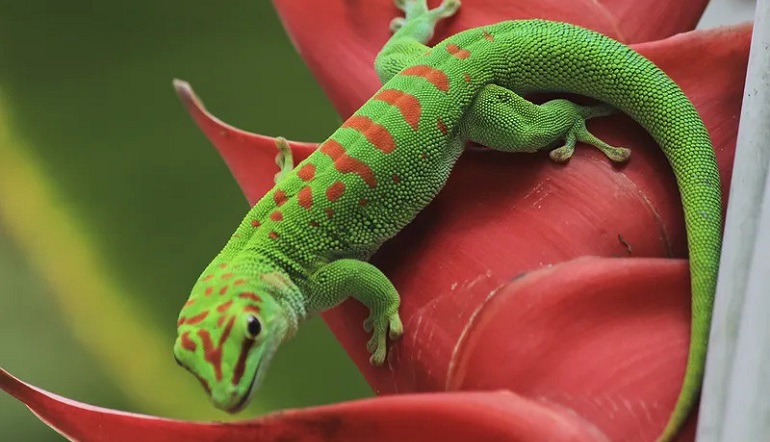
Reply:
x=497, y=290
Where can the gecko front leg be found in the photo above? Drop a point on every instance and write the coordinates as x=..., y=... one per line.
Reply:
x=343, y=278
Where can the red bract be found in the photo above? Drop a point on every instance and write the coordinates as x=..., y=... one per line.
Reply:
x=497, y=293
x=447, y=417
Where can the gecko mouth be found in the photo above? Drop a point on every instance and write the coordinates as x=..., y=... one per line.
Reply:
x=259, y=374
x=241, y=404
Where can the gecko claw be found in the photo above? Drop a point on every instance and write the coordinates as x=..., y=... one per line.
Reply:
x=382, y=328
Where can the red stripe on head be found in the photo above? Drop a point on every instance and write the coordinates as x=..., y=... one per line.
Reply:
x=209, y=290
x=306, y=172
x=212, y=354
x=223, y=290
x=240, y=366
x=435, y=76
x=187, y=343
x=407, y=104
x=305, y=197
x=335, y=191
x=250, y=295
x=346, y=164
x=251, y=309
x=488, y=36
x=279, y=196
x=208, y=277
x=223, y=307
x=189, y=302
x=227, y=276
x=376, y=133
x=457, y=52
x=239, y=281
x=195, y=319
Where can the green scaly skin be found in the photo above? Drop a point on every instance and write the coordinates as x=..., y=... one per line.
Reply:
x=303, y=247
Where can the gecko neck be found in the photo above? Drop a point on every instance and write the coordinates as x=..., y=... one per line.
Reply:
x=277, y=282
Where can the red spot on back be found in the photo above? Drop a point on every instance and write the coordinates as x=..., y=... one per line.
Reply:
x=195, y=319
x=279, y=196
x=255, y=223
x=346, y=164
x=305, y=197
x=239, y=281
x=407, y=104
x=396, y=179
x=314, y=223
x=306, y=172
x=363, y=202
x=240, y=366
x=376, y=133
x=273, y=234
x=250, y=295
x=213, y=354
x=441, y=126
x=223, y=307
x=457, y=52
x=488, y=36
x=435, y=76
x=187, y=343
x=467, y=77
x=276, y=216
x=209, y=290
x=329, y=212
x=335, y=191
x=223, y=290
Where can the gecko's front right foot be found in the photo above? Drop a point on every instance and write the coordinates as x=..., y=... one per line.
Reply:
x=418, y=10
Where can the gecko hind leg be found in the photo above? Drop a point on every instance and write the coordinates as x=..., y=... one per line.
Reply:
x=502, y=120
x=283, y=159
x=411, y=33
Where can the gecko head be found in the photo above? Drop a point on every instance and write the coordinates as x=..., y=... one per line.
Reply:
x=228, y=332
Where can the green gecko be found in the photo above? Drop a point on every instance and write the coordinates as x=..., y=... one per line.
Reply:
x=304, y=246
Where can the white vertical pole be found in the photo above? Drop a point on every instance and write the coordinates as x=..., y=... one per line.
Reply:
x=735, y=404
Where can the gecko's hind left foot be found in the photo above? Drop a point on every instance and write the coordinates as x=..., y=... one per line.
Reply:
x=579, y=132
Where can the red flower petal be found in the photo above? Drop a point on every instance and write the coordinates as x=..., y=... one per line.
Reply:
x=339, y=39
x=447, y=417
x=501, y=215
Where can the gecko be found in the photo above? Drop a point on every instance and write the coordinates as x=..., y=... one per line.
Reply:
x=304, y=247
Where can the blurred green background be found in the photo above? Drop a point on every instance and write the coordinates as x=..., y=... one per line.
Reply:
x=112, y=201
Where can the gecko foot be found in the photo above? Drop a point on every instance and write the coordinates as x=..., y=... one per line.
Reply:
x=284, y=158
x=579, y=132
x=382, y=327
x=418, y=9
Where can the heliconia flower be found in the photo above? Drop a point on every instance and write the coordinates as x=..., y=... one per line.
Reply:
x=562, y=284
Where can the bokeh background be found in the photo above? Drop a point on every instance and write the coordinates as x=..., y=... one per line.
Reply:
x=112, y=201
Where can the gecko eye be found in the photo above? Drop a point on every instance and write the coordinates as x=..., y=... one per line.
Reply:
x=253, y=327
